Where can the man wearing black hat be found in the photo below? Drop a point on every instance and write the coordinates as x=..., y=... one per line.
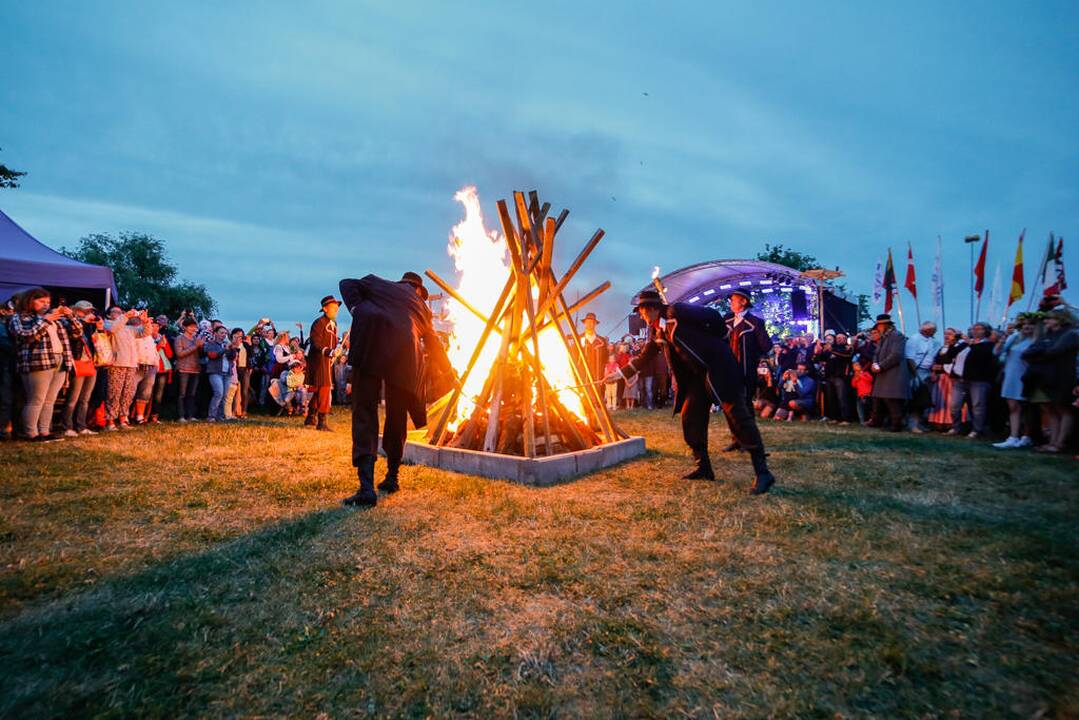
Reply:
x=694, y=343
x=749, y=341
x=891, y=382
x=595, y=347
x=392, y=343
x=320, y=356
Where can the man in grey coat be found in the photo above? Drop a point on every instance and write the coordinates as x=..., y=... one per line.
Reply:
x=891, y=383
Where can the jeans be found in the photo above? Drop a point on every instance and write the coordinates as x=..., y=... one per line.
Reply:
x=146, y=376
x=78, y=402
x=185, y=400
x=218, y=383
x=976, y=394
x=7, y=392
x=42, y=387
x=647, y=387
x=839, y=408
x=862, y=404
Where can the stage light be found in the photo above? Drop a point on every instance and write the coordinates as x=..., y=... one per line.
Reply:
x=725, y=287
x=768, y=290
x=695, y=298
x=746, y=282
x=766, y=282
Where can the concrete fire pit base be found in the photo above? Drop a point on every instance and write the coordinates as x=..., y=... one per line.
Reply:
x=540, y=471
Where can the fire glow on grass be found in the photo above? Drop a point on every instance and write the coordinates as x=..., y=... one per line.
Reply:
x=483, y=266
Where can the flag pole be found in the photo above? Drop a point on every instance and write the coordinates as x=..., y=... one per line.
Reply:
x=899, y=307
x=978, y=305
x=1036, y=289
x=917, y=305
x=940, y=280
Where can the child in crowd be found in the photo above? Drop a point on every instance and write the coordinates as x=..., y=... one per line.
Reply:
x=295, y=392
x=610, y=390
x=862, y=381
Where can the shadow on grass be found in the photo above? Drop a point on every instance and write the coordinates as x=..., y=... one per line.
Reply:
x=133, y=644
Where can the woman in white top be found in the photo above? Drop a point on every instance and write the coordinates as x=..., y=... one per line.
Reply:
x=145, y=372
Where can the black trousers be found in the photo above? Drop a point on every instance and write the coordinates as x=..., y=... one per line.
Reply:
x=893, y=408
x=839, y=398
x=366, y=392
x=751, y=390
x=697, y=410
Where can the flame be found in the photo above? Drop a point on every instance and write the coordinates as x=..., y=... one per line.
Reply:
x=481, y=258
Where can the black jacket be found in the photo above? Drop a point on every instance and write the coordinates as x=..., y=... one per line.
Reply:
x=695, y=345
x=391, y=331
x=749, y=340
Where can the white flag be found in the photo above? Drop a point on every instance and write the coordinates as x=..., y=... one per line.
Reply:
x=938, y=288
x=878, y=283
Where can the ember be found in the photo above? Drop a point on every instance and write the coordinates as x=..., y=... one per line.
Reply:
x=525, y=387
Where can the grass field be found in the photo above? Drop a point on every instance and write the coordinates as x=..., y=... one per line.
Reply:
x=208, y=570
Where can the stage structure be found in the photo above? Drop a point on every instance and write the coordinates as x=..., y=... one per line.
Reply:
x=526, y=407
x=792, y=302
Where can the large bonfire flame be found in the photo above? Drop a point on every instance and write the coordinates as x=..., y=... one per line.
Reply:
x=560, y=397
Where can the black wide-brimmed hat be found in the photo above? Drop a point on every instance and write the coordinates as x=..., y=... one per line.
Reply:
x=884, y=319
x=329, y=300
x=416, y=281
x=590, y=316
x=742, y=294
x=650, y=298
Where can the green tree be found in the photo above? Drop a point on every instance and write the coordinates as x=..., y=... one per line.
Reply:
x=790, y=258
x=144, y=275
x=9, y=178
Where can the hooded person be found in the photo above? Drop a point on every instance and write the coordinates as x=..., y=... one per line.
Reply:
x=694, y=342
x=322, y=346
x=749, y=341
x=392, y=344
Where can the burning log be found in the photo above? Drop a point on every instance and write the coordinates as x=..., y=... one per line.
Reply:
x=533, y=394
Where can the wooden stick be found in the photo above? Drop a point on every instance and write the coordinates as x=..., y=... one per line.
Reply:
x=561, y=284
x=592, y=295
x=561, y=219
x=452, y=404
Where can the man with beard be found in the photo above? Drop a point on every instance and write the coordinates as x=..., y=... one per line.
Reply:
x=320, y=358
x=695, y=345
x=749, y=341
x=392, y=344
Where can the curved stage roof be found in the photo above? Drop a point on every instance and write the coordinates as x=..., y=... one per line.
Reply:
x=709, y=281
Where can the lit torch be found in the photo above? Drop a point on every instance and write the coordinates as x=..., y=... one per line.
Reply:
x=659, y=286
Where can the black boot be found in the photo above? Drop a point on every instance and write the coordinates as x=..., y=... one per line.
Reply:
x=765, y=480
x=735, y=445
x=322, y=424
x=311, y=417
x=702, y=469
x=366, y=495
x=389, y=485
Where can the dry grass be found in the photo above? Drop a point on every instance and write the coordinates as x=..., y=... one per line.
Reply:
x=199, y=570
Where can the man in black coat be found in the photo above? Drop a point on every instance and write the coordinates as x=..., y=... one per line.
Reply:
x=749, y=341
x=392, y=343
x=695, y=345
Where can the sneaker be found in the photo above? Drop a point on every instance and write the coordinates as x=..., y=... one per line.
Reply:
x=1011, y=442
x=952, y=431
x=183, y=420
x=1024, y=442
x=70, y=433
x=125, y=426
x=87, y=431
x=973, y=435
x=46, y=438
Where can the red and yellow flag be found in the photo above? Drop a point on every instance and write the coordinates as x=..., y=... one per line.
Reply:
x=1018, y=286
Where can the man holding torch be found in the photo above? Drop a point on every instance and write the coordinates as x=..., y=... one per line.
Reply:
x=694, y=343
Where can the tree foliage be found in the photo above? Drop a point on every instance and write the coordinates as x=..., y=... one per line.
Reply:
x=9, y=178
x=144, y=275
x=786, y=256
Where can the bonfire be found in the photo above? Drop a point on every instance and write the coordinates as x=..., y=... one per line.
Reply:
x=525, y=388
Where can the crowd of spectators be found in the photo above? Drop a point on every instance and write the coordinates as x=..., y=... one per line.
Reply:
x=1018, y=382
x=67, y=371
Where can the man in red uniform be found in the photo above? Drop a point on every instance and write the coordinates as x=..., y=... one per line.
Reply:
x=321, y=353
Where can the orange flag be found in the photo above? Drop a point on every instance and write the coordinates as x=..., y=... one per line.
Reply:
x=1018, y=286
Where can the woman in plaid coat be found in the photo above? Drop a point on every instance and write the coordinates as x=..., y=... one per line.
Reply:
x=43, y=358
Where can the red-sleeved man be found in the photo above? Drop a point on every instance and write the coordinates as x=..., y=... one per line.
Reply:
x=320, y=354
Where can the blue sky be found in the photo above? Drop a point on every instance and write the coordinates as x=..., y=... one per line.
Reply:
x=277, y=147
